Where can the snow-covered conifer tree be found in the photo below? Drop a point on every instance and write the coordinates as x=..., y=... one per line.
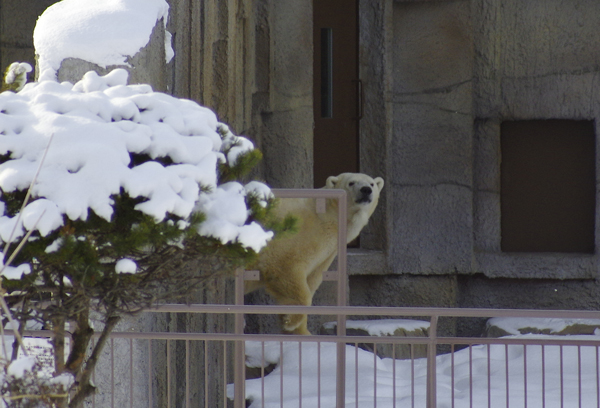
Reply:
x=112, y=189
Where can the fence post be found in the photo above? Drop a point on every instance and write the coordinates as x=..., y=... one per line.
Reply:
x=239, y=364
x=431, y=364
x=342, y=299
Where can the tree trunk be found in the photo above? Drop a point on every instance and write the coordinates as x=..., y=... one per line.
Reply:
x=85, y=389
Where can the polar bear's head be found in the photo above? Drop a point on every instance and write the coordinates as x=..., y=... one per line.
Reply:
x=363, y=191
x=363, y=195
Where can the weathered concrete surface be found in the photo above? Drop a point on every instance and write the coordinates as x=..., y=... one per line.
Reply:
x=375, y=128
x=407, y=290
x=534, y=61
x=17, y=20
x=430, y=181
x=460, y=68
x=287, y=120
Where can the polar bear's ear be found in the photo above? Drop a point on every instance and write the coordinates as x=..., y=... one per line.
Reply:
x=331, y=181
x=379, y=182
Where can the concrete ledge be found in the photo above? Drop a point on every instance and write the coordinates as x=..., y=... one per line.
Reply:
x=537, y=266
x=365, y=262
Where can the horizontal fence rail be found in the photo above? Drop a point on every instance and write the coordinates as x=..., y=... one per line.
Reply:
x=169, y=369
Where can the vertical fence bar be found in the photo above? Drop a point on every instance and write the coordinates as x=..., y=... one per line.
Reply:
x=431, y=363
x=224, y=373
x=281, y=372
x=112, y=372
x=150, y=368
x=187, y=374
x=300, y=374
x=356, y=373
x=507, y=376
x=239, y=374
x=470, y=376
x=489, y=375
x=579, y=372
x=524, y=376
x=262, y=374
x=319, y=375
x=412, y=376
x=168, y=373
x=374, y=375
x=93, y=379
x=597, y=378
x=206, y=373
x=562, y=387
x=394, y=374
x=543, y=377
x=342, y=299
x=452, y=372
x=130, y=373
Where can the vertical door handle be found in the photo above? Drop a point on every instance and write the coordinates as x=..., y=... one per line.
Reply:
x=360, y=91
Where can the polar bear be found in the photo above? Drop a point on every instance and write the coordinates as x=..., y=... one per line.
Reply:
x=291, y=268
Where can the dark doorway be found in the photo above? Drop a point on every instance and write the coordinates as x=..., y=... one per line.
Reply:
x=336, y=88
x=548, y=186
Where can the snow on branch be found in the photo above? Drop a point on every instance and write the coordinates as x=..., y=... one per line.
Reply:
x=111, y=138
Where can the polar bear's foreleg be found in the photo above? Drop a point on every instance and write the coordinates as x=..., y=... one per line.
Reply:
x=294, y=292
x=315, y=278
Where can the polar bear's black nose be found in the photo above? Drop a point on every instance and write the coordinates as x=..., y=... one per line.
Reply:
x=366, y=190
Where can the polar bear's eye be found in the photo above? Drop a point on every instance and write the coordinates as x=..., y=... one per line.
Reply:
x=372, y=184
x=351, y=183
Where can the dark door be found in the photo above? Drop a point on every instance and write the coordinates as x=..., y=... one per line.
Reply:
x=336, y=88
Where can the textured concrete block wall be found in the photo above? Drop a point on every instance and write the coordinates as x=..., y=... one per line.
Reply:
x=459, y=69
x=17, y=20
x=534, y=61
x=431, y=175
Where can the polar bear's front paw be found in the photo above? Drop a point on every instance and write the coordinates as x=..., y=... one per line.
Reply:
x=294, y=324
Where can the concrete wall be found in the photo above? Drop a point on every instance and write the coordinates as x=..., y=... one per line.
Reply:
x=535, y=61
x=251, y=62
x=17, y=20
x=432, y=136
x=460, y=68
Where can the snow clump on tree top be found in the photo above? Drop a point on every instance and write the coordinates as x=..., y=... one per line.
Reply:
x=101, y=137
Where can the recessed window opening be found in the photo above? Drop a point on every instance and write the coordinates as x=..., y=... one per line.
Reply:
x=548, y=186
x=326, y=72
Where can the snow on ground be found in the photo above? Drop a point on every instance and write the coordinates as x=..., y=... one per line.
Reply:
x=385, y=383
x=382, y=327
x=86, y=134
x=102, y=32
x=512, y=325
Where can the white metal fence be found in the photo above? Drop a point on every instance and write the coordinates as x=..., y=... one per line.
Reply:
x=172, y=369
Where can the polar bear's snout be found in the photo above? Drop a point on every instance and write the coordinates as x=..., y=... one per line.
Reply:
x=365, y=195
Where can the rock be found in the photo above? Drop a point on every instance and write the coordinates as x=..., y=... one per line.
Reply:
x=386, y=350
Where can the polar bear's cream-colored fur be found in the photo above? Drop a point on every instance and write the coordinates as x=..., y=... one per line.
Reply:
x=291, y=268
